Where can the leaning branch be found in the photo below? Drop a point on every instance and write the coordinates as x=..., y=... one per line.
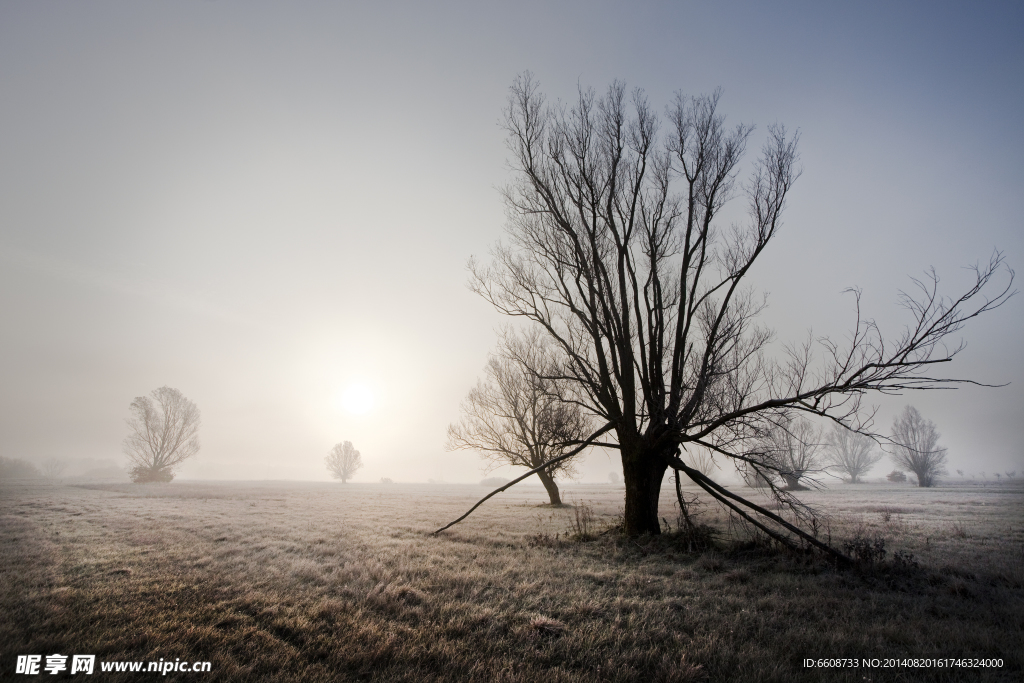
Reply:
x=720, y=493
x=535, y=470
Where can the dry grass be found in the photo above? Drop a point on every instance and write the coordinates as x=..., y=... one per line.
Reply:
x=323, y=582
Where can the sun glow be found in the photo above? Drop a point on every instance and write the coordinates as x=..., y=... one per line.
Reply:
x=357, y=398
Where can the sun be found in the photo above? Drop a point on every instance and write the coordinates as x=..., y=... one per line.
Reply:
x=357, y=398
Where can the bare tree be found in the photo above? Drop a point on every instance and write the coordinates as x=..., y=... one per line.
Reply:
x=53, y=468
x=915, y=443
x=851, y=453
x=163, y=433
x=520, y=415
x=343, y=461
x=790, y=448
x=703, y=460
x=614, y=248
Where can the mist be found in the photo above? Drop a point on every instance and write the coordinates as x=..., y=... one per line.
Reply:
x=262, y=206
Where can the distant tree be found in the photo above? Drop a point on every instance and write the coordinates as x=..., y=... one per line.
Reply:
x=703, y=460
x=790, y=448
x=961, y=473
x=163, y=433
x=1011, y=475
x=53, y=468
x=916, y=446
x=851, y=453
x=343, y=461
x=613, y=477
x=519, y=416
x=13, y=468
x=999, y=477
x=896, y=476
x=386, y=480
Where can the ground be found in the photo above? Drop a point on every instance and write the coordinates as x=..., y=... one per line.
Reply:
x=323, y=582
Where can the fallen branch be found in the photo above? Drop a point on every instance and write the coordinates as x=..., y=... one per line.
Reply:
x=727, y=497
x=535, y=470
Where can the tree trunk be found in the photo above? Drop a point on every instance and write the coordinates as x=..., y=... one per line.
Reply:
x=793, y=482
x=550, y=486
x=643, y=474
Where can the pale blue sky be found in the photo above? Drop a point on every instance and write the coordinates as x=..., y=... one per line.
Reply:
x=260, y=203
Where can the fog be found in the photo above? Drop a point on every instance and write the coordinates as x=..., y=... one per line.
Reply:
x=265, y=205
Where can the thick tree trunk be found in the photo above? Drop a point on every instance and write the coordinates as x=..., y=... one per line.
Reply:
x=550, y=486
x=643, y=473
x=793, y=482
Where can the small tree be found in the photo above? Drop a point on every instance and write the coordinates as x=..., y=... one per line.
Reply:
x=791, y=448
x=164, y=432
x=1011, y=475
x=53, y=468
x=520, y=416
x=851, y=453
x=896, y=477
x=916, y=446
x=703, y=460
x=343, y=461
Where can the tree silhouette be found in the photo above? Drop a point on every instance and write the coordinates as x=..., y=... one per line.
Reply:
x=916, y=446
x=343, y=461
x=163, y=433
x=519, y=415
x=615, y=249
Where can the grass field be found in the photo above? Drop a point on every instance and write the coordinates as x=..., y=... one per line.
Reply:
x=321, y=582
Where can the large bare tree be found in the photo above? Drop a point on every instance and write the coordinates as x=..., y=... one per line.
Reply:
x=614, y=247
x=851, y=453
x=521, y=415
x=343, y=461
x=915, y=446
x=163, y=433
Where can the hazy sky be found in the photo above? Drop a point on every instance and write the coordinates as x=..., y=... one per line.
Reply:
x=261, y=204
